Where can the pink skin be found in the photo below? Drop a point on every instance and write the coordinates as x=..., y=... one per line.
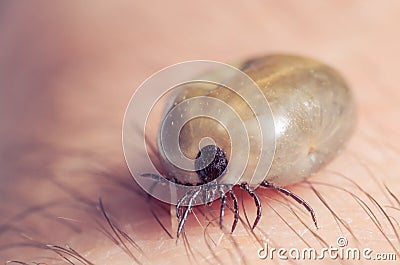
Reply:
x=67, y=71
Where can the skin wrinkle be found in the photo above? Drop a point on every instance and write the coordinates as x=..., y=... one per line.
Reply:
x=67, y=71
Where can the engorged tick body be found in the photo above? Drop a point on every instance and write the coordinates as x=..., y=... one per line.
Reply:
x=313, y=113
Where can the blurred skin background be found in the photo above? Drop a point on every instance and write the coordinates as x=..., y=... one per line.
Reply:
x=68, y=70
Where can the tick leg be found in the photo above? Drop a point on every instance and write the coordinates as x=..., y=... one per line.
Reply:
x=186, y=213
x=222, y=210
x=266, y=184
x=250, y=191
x=163, y=180
x=179, y=205
x=235, y=209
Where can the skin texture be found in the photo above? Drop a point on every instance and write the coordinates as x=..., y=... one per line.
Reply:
x=67, y=71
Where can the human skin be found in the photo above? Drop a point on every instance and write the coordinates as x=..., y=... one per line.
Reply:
x=67, y=71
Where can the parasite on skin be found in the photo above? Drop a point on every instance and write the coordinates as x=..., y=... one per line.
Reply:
x=313, y=115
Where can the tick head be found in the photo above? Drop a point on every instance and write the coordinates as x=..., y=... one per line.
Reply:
x=210, y=163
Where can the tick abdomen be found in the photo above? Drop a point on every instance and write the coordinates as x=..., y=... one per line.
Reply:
x=313, y=113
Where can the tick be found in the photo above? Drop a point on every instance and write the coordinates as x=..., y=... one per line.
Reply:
x=313, y=114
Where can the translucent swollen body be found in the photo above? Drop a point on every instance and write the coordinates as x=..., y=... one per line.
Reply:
x=313, y=114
